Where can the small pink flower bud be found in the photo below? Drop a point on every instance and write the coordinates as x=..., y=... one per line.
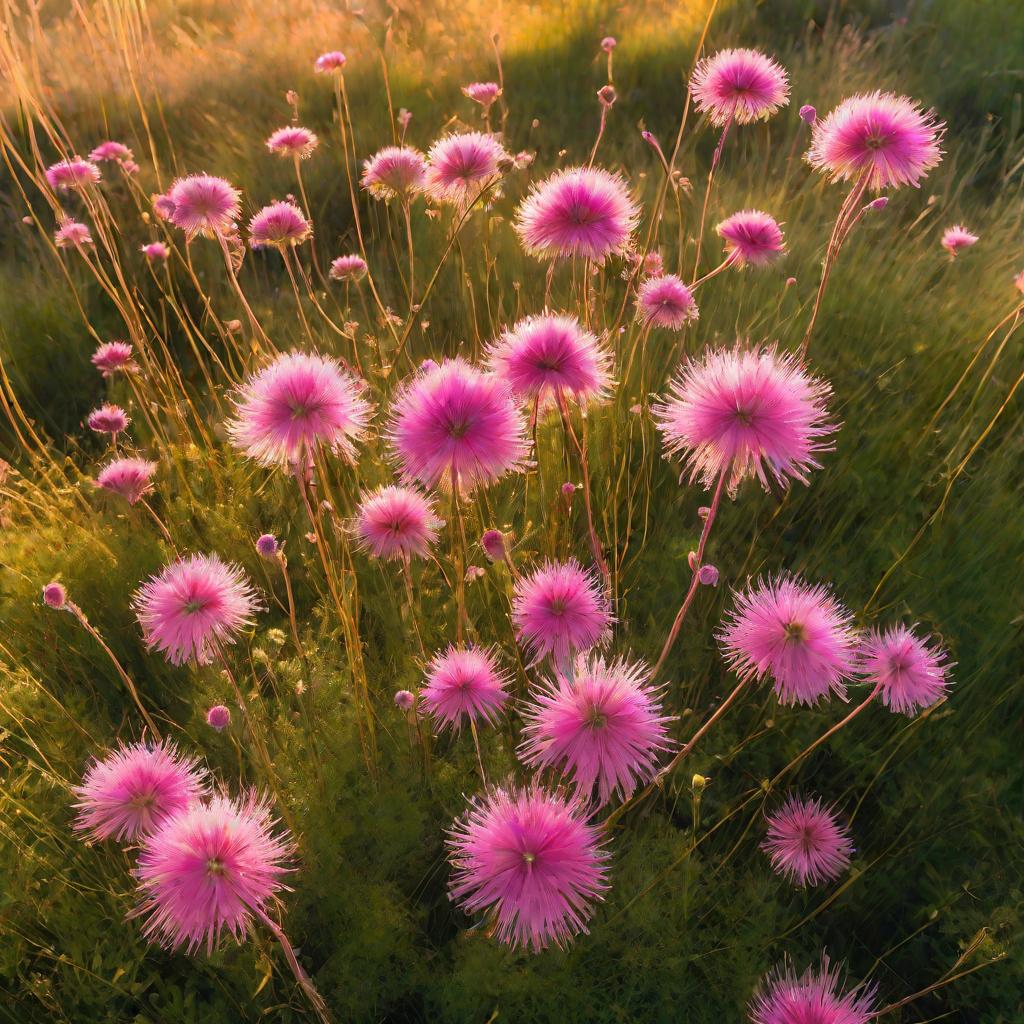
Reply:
x=267, y=546
x=879, y=204
x=608, y=44
x=218, y=717
x=708, y=575
x=691, y=560
x=568, y=490
x=405, y=700
x=808, y=114
x=55, y=595
x=790, y=281
x=703, y=512
x=493, y=543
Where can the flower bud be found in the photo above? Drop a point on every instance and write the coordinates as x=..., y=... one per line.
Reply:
x=808, y=114
x=267, y=546
x=218, y=717
x=55, y=595
x=493, y=543
x=609, y=43
x=708, y=575
x=404, y=700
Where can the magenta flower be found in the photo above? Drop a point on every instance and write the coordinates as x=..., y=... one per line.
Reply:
x=348, y=268
x=559, y=609
x=753, y=410
x=464, y=684
x=279, y=226
x=664, y=301
x=113, y=357
x=752, y=238
x=210, y=870
x=108, y=419
x=808, y=114
x=456, y=425
x=72, y=234
x=218, y=717
x=55, y=596
x=806, y=842
x=396, y=172
x=203, y=205
x=531, y=859
x=911, y=672
x=293, y=141
x=608, y=44
x=887, y=139
x=493, y=543
x=193, y=606
x=135, y=789
x=739, y=86
x=460, y=167
x=73, y=173
x=329, y=62
x=155, y=252
x=405, y=700
x=484, y=93
x=813, y=998
x=544, y=357
x=797, y=635
x=112, y=152
x=397, y=523
x=956, y=238
x=604, y=726
x=267, y=546
x=580, y=211
x=295, y=405
x=132, y=479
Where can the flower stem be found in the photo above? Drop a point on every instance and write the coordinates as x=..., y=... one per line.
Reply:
x=304, y=980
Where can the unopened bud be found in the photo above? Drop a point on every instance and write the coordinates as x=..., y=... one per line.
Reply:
x=708, y=576
x=808, y=114
x=493, y=543
x=698, y=782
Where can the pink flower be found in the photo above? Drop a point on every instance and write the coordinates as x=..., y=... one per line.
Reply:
x=911, y=673
x=329, y=62
x=155, y=252
x=267, y=546
x=132, y=479
x=135, y=789
x=55, y=596
x=210, y=869
x=348, y=268
x=808, y=114
x=397, y=522
x=460, y=167
x=484, y=93
x=163, y=206
x=396, y=172
x=806, y=842
x=218, y=717
x=111, y=152
x=754, y=237
x=73, y=173
x=193, y=606
x=753, y=410
x=108, y=419
x=130, y=167
x=279, y=225
x=956, y=238
x=493, y=543
x=295, y=405
x=813, y=998
x=113, y=357
x=608, y=44
x=72, y=234
x=739, y=86
x=604, y=726
x=293, y=141
x=665, y=301
x=454, y=424
x=559, y=609
x=533, y=861
x=886, y=138
x=405, y=700
x=795, y=634
x=547, y=357
x=203, y=205
x=580, y=211
x=463, y=684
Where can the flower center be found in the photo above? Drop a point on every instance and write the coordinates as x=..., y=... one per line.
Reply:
x=528, y=857
x=557, y=606
x=596, y=718
x=215, y=866
x=194, y=606
x=795, y=633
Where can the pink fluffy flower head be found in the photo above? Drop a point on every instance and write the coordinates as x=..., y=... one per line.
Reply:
x=806, y=842
x=331, y=62
x=348, y=268
x=134, y=789
x=464, y=684
x=664, y=301
x=739, y=86
x=72, y=234
x=547, y=357
x=749, y=412
x=295, y=405
x=396, y=172
x=484, y=93
x=752, y=237
x=155, y=252
x=531, y=859
x=218, y=717
x=795, y=634
x=886, y=138
x=193, y=606
x=113, y=357
x=397, y=523
x=816, y=997
x=111, y=152
x=911, y=672
x=559, y=609
x=201, y=204
x=461, y=166
x=604, y=726
x=579, y=211
x=455, y=423
x=956, y=238
x=130, y=478
x=279, y=226
x=55, y=596
x=293, y=141
x=73, y=173
x=211, y=870
x=108, y=419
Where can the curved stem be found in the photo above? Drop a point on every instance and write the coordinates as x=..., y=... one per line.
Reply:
x=305, y=982
x=707, y=192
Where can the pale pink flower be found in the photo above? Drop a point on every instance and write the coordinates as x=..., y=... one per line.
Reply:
x=956, y=238
x=752, y=237
x=795, y=634
x=887, y=139
x=326, y=63
x=55, y=596
x=405, y=700
x=297, y=404
x=911, y=672
x=131, y=478
x=155, y=252
x=113, y=357
x=163, y=206
x=454, y=424
x=218, y=717
x=72, y=234
x=813, y=998
x=806, y=842
x=580, y=211
x=112, y=152
x=193, y=606
x=396, y=172
x=108, y=419
x=348, y=268
x=460, y=167
x=464, y=684
x=201, y=204
x=751, y=412
x=73, y=173
x=739, y=86
x=664, y=301
x=608, y=44
x=397, y=522
x=531, y=859
x=293, y=141
x=484, y=93
x=279, y=226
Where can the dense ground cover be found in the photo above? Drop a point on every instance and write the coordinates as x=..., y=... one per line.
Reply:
x=913, y=517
